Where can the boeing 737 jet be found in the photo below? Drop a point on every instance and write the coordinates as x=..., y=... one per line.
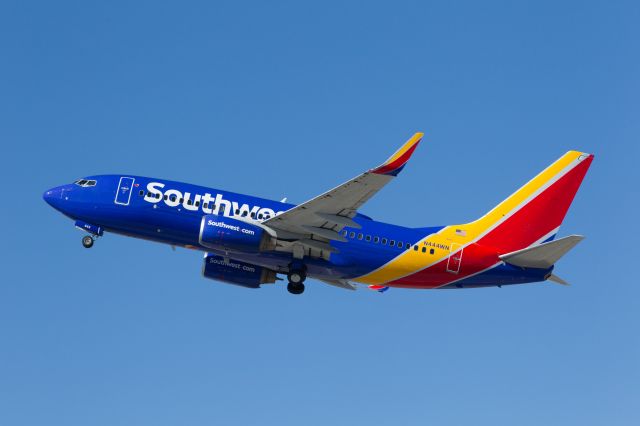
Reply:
x=248, y=241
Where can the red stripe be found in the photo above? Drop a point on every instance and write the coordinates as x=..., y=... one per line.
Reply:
x=396, y=164
x=540, y=216
x=533, y=221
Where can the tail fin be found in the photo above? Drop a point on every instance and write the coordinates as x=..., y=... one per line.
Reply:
x=533, y=214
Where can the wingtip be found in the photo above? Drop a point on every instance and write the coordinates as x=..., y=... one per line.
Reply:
x=399, y=159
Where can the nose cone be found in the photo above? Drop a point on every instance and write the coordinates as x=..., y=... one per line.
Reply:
x=53, y=197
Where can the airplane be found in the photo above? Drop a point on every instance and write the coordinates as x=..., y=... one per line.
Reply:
x=248, y=241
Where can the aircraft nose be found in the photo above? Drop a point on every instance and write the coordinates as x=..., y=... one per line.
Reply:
x=53, y=196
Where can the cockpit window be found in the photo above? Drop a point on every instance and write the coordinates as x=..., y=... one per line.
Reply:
x=85, y=183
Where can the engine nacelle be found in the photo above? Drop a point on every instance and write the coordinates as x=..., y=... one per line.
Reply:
x=235, y=272
x=225, y=233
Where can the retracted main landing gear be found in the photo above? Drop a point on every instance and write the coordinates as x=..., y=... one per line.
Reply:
x=297, y=274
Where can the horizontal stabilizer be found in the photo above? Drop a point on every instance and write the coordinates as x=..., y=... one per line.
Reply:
x=544, y=255
x=556, y=279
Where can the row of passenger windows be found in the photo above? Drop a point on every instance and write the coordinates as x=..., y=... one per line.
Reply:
x=190, y=202
x=360, y=236
x=385, y=241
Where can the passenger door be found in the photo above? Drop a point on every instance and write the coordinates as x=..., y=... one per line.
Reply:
x=125, y=188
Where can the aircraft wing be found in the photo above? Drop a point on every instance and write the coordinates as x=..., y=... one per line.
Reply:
x=340, y=284
x=316, y=222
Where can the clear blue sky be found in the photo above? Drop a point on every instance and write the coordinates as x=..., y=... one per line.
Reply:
x=282, y=99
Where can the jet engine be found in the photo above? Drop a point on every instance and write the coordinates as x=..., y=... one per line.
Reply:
x=235, y=272
x=225, y=233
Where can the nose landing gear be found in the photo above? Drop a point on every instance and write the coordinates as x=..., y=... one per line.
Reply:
x=94, y=231
x=87, y=241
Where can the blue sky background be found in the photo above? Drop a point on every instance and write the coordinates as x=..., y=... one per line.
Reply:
x=289, y=99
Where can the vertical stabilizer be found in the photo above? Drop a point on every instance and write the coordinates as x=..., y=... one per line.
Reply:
x=533, y=213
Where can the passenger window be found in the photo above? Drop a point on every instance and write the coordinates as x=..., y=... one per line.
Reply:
x=260, y=216
x=392, y=243
x=253, y=215
x=344, y=233
x=158, y=196
x=166, y=197
x=142, y=192
x=197, y=203
x=222, y=208
x=415, y=248
x=408, y=246
x=360, y=236
x=352, y=234
x=384, y=241
x=432, y=251
x=205, y=206
x=368, y=238
x=237, y=211
x=424, y=249
x=376, y=240
x=190, y=202
x=400, y=244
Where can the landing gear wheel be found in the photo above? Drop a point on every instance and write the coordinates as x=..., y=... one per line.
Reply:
x=87, y=241
x=294, y=288
x=297, y=274
x=296, y=277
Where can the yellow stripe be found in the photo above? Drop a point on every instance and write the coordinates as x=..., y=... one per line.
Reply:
x=404, y=148
x=412, y=261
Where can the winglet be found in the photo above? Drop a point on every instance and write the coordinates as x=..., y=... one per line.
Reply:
x=397, y=161
x=379, y=288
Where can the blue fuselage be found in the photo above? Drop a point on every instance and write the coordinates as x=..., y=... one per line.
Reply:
x=171, y=212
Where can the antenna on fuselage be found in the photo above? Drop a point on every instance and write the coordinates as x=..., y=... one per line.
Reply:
x=284, y=200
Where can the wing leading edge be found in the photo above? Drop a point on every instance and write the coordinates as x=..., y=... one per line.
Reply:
x=312, y=225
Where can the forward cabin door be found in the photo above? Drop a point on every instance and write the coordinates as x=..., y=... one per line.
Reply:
x=455, y=258
x=125, y=188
